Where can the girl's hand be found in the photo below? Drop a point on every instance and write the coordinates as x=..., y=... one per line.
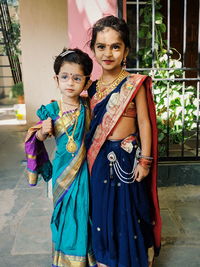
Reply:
x=47, y=127
x=45, y=130
x=140, y=173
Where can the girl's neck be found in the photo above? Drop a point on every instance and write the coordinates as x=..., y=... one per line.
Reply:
x=70, y=101
x=69, y=104
x=109, y=75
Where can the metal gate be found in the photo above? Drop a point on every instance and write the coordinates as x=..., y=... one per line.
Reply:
x=7, y=40
x=165, y=37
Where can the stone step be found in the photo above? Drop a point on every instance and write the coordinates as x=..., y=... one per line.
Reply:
x=180, y=173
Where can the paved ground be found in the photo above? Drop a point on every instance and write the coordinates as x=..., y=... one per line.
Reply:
x=25, y=238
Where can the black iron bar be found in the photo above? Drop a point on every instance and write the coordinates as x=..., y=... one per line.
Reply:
x=6, y=27
x=16, y=66
x=135, y=2
x=137, y=34
x=149, y=69
x=183, y=87
x=153, y=35
x=5, y=35
x=198, y=87
x=168, y=87
x=179, y=158
x=177, y=79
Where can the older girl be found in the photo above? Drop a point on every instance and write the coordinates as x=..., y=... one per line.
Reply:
x=125, y=212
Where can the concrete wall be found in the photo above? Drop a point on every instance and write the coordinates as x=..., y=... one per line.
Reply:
x=43, y=35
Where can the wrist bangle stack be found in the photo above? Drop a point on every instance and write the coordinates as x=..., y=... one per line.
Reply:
x=145, y=157
x=145, y=163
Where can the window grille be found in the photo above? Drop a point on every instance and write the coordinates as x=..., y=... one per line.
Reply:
x=168, y=50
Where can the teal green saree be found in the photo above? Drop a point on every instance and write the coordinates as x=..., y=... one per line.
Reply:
x=70, y=223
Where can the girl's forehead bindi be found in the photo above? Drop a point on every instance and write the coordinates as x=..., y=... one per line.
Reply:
x=71, y=67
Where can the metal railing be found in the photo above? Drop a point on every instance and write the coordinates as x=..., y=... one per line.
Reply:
x=7, y=30
x=188, y=149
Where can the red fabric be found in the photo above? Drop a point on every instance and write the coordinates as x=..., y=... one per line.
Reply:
x=152, y=182
x=152, y=178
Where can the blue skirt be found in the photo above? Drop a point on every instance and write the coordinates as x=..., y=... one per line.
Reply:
x=120, y=211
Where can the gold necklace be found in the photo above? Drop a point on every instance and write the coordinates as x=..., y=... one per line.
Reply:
x=101, y=93
x=69, y=104
x=107, y=84
x=71, y=145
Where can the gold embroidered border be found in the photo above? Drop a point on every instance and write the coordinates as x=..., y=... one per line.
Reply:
x=29, y=156
x=63, y=123
x=62, y=260
x=32, y=178
x=32, y=130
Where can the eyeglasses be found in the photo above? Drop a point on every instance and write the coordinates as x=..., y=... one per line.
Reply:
x=77, y=78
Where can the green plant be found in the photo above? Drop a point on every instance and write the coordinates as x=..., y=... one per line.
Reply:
x=15, y=38
x=17, y=90
x=13, y=2
x=176, y=105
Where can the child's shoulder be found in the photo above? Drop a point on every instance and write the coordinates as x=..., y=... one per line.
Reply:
x=50, y=110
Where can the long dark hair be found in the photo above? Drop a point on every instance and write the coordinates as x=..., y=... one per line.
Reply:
x=113, y=22
x=73, y=56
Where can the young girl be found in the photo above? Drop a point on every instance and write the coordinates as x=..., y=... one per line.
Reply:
x=125, y=212
x=68, y=121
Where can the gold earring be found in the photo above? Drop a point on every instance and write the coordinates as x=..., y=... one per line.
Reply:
x=124, y=63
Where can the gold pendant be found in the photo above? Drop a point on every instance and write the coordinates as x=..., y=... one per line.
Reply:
x=71, y=145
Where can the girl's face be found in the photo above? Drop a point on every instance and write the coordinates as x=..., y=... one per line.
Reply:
x=70, y=80
x=109, y=49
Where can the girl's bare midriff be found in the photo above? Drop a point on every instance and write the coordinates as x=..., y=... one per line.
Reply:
x=124, y=128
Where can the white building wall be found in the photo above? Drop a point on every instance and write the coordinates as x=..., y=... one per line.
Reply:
x=43, y=36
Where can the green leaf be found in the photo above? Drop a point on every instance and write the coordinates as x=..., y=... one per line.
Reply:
x=162, y=27
x=161, y=137
x=141, y=34
x=149, y=35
